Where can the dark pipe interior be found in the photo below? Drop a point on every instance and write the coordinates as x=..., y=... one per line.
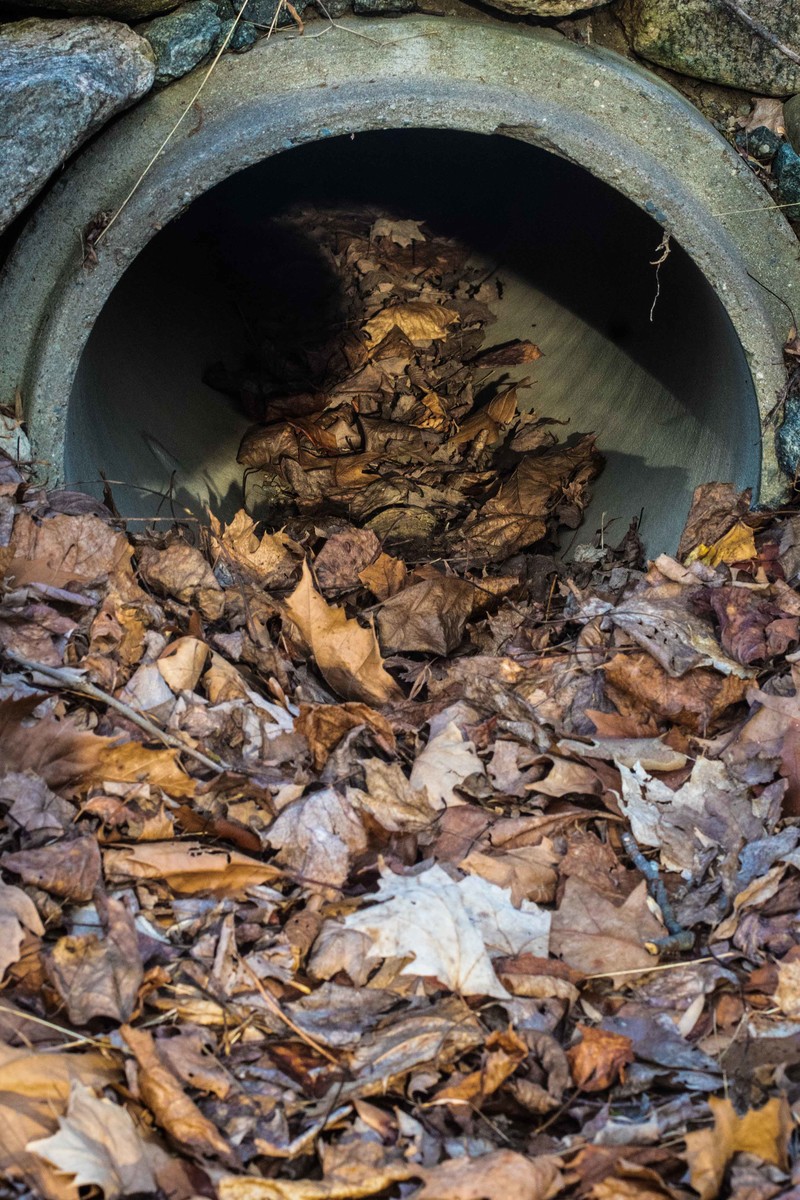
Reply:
x=671, y=399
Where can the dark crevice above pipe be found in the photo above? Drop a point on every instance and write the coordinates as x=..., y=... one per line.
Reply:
x=671, y=400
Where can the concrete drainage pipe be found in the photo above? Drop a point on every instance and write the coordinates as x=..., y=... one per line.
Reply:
x=560, y=165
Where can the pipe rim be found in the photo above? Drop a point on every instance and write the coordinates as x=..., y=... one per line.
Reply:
x=590, y=106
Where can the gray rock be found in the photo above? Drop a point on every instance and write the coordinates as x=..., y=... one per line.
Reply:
x=120, y=10
x=539, y=8
x=244, y=36
x=182, y=38
x=791, y=118
x=60, y=80
x=787, y=439
x=382, y=8
x=786, y=169
x=262, y=12
x=704, y=39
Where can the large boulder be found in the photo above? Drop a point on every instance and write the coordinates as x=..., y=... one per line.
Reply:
x=182, y=38
x=546, y=8
x=119, y=10
x=60, y=80
x=705, y=39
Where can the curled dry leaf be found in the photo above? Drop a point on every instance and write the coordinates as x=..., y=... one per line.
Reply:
x=392, y=801
x=182, y=572
x=346, y=653
x=637, y=684
x=98, y=1143
x=164, y=1095
x=70, y=870
x=365, y=1171
x=191, y=868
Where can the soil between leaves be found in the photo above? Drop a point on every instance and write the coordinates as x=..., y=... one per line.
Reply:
x=497, y=891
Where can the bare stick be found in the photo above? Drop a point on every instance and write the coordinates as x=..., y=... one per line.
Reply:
x=73, y=681
x=275, y=1008
x=762, y=31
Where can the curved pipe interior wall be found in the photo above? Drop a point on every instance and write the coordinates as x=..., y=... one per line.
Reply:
x=671, y=399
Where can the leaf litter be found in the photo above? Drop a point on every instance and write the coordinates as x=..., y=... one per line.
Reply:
x=464, y=872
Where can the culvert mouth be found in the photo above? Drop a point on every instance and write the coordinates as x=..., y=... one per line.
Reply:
x=648, y=362
x=562, y=168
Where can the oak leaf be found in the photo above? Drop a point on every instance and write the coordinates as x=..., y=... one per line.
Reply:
x=270, y=561
x=419, y=320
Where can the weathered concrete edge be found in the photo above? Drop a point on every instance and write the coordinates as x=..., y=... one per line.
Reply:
x=588, y=105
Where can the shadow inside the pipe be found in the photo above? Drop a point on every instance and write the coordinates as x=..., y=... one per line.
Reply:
x=670, y=399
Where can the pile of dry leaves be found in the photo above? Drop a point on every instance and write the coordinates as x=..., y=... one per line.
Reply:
x=358, y=858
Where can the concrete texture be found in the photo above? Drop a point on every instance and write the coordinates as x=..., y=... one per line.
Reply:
x=60, y=81
x=678, y=404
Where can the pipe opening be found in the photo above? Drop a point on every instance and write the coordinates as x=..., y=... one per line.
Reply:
x=671, y=400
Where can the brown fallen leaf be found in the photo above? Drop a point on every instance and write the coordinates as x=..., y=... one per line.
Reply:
x=324, y=725
x=427, y=617
x=593, y=935
x=494, y=1176
x=344, y=557
x=99, y=976
x=172, y=1109
x=696, y=701
x=509, y=354
x=182, y=572
x=505, y=1052
x=70, y=869
x=762, y=1132
x=271, y=561
x=63, y=550
x=98, y=1143
x=346, y=653
x=58, y=751
x=529, y=871
x=599, y=1059
x=736, y=546
x=190, y=868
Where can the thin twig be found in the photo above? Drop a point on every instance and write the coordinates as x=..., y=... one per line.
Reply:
x=672, y=966
x=274, y=1007
x=189, y=108
x=680, y=939
x=77, y=1038
x=73, y=681
x=757, y=27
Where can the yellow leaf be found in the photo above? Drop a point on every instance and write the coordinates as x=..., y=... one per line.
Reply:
x=763, y=1132
x=737, y=545
x=346, y=653
x=419, y=320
